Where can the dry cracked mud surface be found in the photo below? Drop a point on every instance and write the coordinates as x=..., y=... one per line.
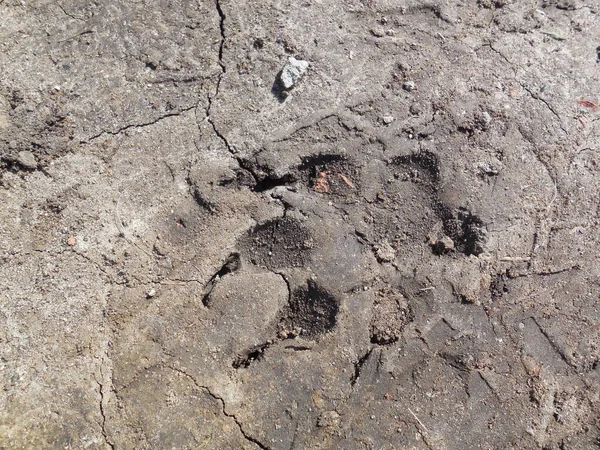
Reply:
x=400, y=252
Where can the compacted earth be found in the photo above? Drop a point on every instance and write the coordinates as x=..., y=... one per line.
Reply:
x=390, y=241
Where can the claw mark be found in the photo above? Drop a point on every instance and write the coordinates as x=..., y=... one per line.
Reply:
x=358, y=365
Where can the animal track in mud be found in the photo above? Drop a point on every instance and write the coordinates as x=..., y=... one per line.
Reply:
x=279, y=243
x=425, y=166
x=391, y=313
x=466, y=230
x=400, y=198
x=334, y=175
x=205, y=204
x=312, y=311
x=260, y=178
x=499, y=286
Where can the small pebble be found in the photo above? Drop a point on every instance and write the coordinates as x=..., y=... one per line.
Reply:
x=151, y=293
x=485, y=118
x=27, y=160
x=387, y=119
x=415, y=109
x=409, y=85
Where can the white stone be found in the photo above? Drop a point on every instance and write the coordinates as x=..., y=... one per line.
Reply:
x=292, y=72
x=409, y=85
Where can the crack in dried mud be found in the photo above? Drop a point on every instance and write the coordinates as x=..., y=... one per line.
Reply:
x=103, y=414
x=220, y=399
x=141, y=125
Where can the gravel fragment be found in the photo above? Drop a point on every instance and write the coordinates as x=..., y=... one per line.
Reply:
x=409, y=85
x=292, y=72
x=27, y=160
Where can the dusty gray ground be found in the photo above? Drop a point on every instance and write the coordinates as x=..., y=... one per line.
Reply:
x=400, y=253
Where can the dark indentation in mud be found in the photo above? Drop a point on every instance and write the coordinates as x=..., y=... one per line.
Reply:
x=442, y=246
x=334, y=175
x=243, y=177
x=231, y=264
x=312, y=311
x=462, y=363
x=469, y=131
x=258, y=43
x=310, y=162
x=269, y=183
x=391, y=313
x=277, y=89
x=425, y=163
x=465, y=229
x=298, y=348
x=280, y=243
x=254, y=354
x=499, y=286
x=358, y=365
x=259, y=178
x=203, y=202
x=14, y=166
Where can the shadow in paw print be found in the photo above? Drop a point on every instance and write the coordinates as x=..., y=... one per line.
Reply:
x=425, y=166
x=252, y=355
x=279, y=243
x=466, y=230
x=312, y=311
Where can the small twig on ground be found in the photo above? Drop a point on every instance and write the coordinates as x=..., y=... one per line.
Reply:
x=345, y=180
x=168, y=282
x=588, y=104
x=554, y=197
x=417, y=419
